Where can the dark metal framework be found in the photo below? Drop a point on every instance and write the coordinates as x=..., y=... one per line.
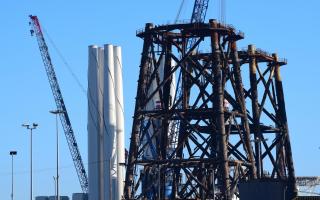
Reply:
x=64, y=117
x=230, y=129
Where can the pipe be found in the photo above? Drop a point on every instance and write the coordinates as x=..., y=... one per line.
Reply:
x=241, y=99
x=219, y=111
x=292, y=185
x=255, y=108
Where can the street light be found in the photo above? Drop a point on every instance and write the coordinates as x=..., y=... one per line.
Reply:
x=28, y=126
x=12, y=153
x=56, y=113
x=55, y=186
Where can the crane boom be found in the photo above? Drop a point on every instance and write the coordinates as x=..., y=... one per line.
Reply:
x=198, y=15
x=199, y=11
x=64, y=118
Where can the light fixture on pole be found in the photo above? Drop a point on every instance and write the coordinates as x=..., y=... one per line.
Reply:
x=12, y=153
x=30, y=127
x=56, y=113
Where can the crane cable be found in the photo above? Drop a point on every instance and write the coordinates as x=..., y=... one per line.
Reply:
x=179, y=11
x=221, y=6
x=82, y=88
x=223, y=11
x=86, y=93
x=74, y=76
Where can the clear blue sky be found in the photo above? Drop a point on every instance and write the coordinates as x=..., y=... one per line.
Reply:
x=289, y=27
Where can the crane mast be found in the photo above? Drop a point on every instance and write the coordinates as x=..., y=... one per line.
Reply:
x=64, y=117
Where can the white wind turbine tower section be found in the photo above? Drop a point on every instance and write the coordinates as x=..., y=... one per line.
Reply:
x=105, y=123
x=93, y=124
x=120, y=119
x=101, y=129
x=109, y=112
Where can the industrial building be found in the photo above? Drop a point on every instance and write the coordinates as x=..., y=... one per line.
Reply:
x=60, y=197
x=75, y=196
x=42, y=198
x=79, y=196
x=52, y=198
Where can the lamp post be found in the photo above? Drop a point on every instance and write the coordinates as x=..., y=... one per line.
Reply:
x=12, y=153
x=56, y=113
x=55, y=186
x=28, y=126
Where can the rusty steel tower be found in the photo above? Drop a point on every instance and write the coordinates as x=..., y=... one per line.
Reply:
x=207, y=117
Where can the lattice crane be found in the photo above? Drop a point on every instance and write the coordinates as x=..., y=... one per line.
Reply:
x=64, y=117
x=199, y=11
x=198, y=15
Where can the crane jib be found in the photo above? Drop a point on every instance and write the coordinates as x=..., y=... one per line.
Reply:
x=64, y=118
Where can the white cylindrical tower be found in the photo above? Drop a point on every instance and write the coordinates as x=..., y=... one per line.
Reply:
x=110, y=121
x=93, y=123
x=105, y=123
x=101, y=86
x=120, y=121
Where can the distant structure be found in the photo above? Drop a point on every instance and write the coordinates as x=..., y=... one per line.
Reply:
x=51, y=198
x=223, y=137
x=79, y=196
x=105, y=123
x=308, y=185
x=61, y=197
x=75, y=196
x=42, y=198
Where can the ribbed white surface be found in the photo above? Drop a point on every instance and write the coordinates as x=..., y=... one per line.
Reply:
x=110, y=119
x=100, y=91
x=120, y=120
x=93, y=124
x=105, y=123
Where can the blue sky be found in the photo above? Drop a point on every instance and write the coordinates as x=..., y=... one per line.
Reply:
x=290, y=28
